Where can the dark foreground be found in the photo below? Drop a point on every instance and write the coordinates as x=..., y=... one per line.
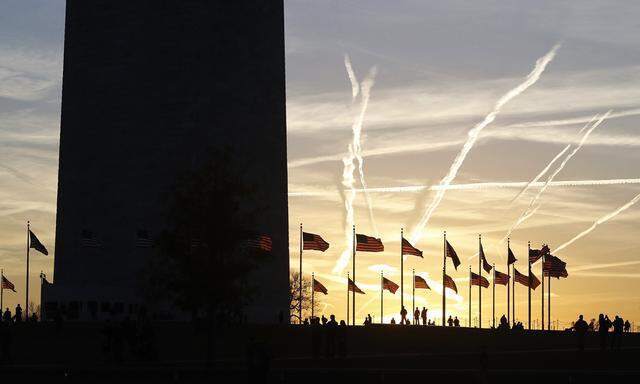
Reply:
x=284, y=354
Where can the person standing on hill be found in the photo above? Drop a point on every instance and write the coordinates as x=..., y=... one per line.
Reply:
x=18, y=316
x=616, y=338
x=416, y=316
x=450, y=321
x=423, y=315
x=580, y=327
x=403, y=315
x=603, y=329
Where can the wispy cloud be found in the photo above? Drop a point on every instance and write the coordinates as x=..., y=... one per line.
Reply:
x=474, y=133
x=598, y=222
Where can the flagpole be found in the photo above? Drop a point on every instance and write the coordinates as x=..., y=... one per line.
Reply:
x=508, y=287
x=513, y=288
x=542, y=274
x=26, y=307
x=381, y=296
x=469, y=296
x=444, y=273
x=529, y=285
x=413, y=295
x=401, y=270
x=300, y=277
x=1, y=290
x=353, y=308
x=548, y=302
x=493, y=306
x=313, y=292
x=479, y=282
x=347, y=298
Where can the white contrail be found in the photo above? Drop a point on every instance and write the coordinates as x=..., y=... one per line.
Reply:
x=589, y=267
x=477, y=186
x=355, y=153
x=365, y=87
x=531, y=79
x=601, y=220
x=542, y=173
x=349, y=196
x=546, y=169
x=355, y=86
x=530, y=209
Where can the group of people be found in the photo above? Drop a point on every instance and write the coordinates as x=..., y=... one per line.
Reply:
x=604, y=327
x=330, y=333
x=504, y=325
x=17, y=318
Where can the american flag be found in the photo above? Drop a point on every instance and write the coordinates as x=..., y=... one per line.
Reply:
x=389, y=285
x=312, y=241
x=143, y=240
x=6, y=284
x=453, y=255
x=500, y=278
x=554, y=267
x=524, y=279
x=511, y=258
x=354, y=287
x=36, y=244
x=366, y=243
x=87, y=240
x=408, y=249
x=420, y=283
x=536, y=254
x=479, y=280
x=449, y=283
x=318, y=287
x=260, y=242
x=485, y=265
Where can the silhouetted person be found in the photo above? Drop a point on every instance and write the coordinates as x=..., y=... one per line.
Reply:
x=416, y=316
x=616, y=338
x=6, y=316
x=306, y=322
x=627, y=326
x=423, y=315
x=403, y=315
x=342, y=340
x=450, y=321
x=324, y=320
x=393, y=321
x=580, y=327
x=603, y=329
x=316, y=337
x=592, y=325
x=18, y=316
x=330, y=337
x=456, y=322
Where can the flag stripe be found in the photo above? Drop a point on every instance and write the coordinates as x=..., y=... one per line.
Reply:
x=366, y=243
x=408, y=249
x=420, y=283
x=311, y=241
x=449, y=283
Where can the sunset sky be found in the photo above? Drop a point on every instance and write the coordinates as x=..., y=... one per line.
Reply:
x=432, y=73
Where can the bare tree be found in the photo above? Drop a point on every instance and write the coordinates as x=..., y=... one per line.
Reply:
x=294, y=296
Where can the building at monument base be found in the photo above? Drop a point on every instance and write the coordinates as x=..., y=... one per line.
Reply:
x=149, y=89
